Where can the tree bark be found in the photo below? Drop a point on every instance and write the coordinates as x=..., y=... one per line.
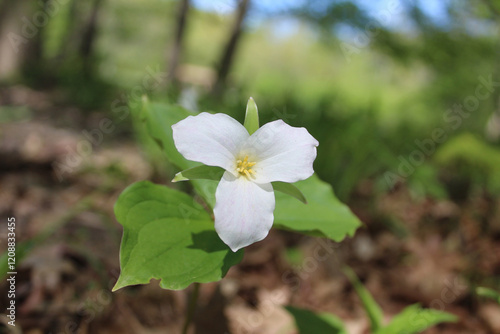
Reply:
x=10, y=61
x=230, y=49
x=71, y=34
x=492, y=129
x=89, y=36
x=32, y=55
x=176, y=50
x=6, y=7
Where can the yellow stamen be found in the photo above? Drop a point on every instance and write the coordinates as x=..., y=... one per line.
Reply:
x=243, y=167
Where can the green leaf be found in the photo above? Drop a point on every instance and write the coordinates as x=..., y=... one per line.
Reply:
x=371, y=307
x=323, y=216
x=168, y=236
x=200, y=172
x=316, y=323
x=251, y=117
x=289, y=189
x=159, y=119
x=415, y=319
x=489, y=293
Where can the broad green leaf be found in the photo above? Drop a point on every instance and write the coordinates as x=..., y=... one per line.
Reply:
x=323, y=216
x=159, y=119
x=200, y=172
x=371, y=307
x=289, y=189
x=251, y=117
x=489, y=293
x=316, y=323
x=168, y=236
x=415, y=319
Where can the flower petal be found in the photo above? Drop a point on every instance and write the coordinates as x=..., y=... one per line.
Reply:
x=243, y=211
x=212, y=139
x=281, y=152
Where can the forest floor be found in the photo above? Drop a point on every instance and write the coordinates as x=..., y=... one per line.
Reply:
x=409, y=251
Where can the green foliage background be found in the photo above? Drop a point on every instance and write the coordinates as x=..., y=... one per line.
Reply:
x=366, y=109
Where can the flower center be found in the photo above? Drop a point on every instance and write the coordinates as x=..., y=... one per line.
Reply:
x=243, y=167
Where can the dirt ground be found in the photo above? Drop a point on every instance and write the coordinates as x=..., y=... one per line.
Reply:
x=409, y=251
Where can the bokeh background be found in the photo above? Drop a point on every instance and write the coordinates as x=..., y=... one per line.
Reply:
x=403, y=96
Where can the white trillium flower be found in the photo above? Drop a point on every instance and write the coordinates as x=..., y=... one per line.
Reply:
x=245, y=197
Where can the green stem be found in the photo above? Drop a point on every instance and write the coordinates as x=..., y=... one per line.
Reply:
x=191, y=307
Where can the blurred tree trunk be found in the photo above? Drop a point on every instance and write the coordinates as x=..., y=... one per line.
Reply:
x=230, y=49
x=176, y=50
x=32, y=55
x=89, y=37
x=492, y=128
x=9, y=59
x=71, y=33
x=6, y=7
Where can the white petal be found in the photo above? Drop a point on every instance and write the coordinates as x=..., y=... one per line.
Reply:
x=281, y=152
x=212, y=139
x=243, y=211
